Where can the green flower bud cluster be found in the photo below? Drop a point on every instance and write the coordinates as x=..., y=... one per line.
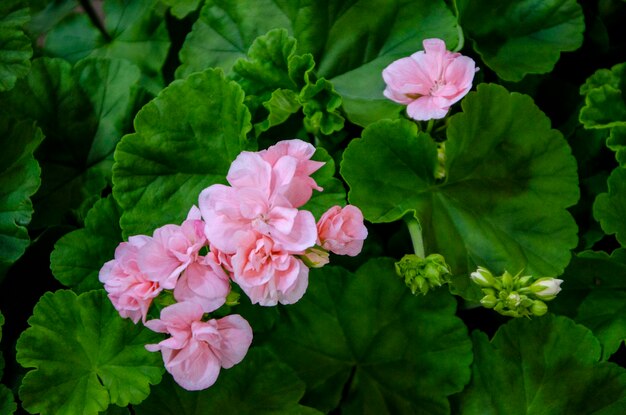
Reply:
x=515, y=295
x=423, y=274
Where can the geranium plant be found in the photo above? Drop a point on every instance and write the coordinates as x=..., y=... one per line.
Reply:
x=278, y=207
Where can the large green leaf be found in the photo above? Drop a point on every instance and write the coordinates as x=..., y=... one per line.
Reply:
x=605, y=102
x=226, y=29
x=79, y=255
x=609, y=207
x=617, y=143
x=15, y=47
x=261, y=385
x=589, y=271
x=185, y=141
x=135, y=31
x=543, y=366
x=509, y=178
x=520, y=37
x=365, y=338
x=604, y=312
x=19, y=180
x=83, y=112
x=84, y=356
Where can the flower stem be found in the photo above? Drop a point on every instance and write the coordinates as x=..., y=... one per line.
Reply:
x=430, y=125
x=461, y=43
x=415, y=230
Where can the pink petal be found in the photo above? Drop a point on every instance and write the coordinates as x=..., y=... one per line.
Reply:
x=424, y=108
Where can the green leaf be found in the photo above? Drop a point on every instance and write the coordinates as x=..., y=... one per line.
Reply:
x=617, y=143
x=135, y=31
x=545, y=366
x=79, y=255
x=185, y=140
x=19, y=180
x=7, y=401
x=605, y=102
x=589, y=271
x=225, y=30
x=521, y=37
x=509, y=181
x=260, y=384
x=603, y=311
x=281, y=105
x=367, y=337
x=84, y=356
x=15, y=45
x=83, y=112
x=609, y=207
x=181, y=8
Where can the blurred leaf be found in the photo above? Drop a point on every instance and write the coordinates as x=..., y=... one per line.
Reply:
x=19, y=180
x=510, y=178
x=259, y=385
x=605, y=102
x=520, y=37
x=609, y=207
x=545, y=366
x=135, y=31
x=83, y=112
x=185, y=140
x=365, y=340
x=15, y=47
x=79, y=255
x=7, y=401
x=617, y=143
x=84, y=356
x=181, y=8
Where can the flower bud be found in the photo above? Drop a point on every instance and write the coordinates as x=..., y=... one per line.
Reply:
x=539, y=308
x=315, y=257
x=489, y=301
x=546, y=288
x=423, y=274
x=507, y=280
x=483, y=277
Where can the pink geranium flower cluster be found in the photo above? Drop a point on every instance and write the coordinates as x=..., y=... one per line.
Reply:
x=429, y=81
x=253, y=233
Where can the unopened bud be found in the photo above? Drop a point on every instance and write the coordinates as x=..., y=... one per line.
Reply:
x=539, y=308
x=489, y=301
x=315, y=257
x=483, y=277
x=546, y=288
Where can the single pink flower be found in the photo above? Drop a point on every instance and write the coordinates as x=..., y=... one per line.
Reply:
x=171, y=249
x=342, y=231
x=197, y=350
x=268, y=273
x=203, y=282
x=429, y=81
x=128, y=288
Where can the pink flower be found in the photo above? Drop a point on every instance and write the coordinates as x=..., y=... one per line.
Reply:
x=171, y=249
x=197, y=350
x=268, y=273
x=128, y=288
x=429, y=81
x=232, y=213
x=203, y=282
x=342, y=231
x=295, y=154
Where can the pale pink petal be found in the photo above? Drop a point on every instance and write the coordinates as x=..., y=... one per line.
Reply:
x=236, y=337
x=204, y=284
x=194, y=213
x=403, y=72
x=423, y=109
x=250, y=170
x=196, y=371
x=303, y=234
